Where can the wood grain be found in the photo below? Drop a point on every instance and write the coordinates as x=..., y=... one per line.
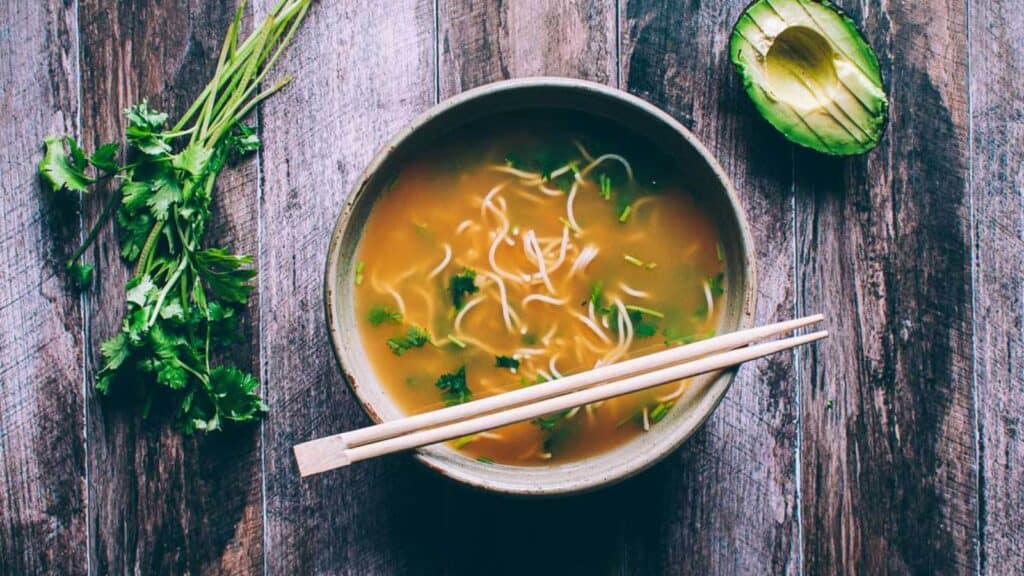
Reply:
x=997, y=63
x=484, y=41
x=360, y=76
x=42, y=474
x=889, y=479
x=725, y=503
x=161, y=503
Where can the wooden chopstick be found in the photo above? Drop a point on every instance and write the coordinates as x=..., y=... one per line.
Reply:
x=341, y=449
x=571, y=383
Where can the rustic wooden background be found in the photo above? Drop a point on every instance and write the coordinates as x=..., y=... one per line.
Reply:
x=893, y=448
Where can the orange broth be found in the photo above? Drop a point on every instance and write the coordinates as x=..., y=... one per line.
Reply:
x=661, y=261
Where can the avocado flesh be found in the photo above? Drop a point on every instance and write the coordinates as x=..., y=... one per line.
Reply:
x=811, y=74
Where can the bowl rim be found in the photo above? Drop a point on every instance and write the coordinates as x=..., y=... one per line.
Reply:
x=584, y=483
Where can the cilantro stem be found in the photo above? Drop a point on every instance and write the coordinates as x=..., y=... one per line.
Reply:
x=108, y=211
x=146, y=254
x=163, y=293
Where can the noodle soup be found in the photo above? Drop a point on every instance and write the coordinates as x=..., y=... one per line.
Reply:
x=536, y=251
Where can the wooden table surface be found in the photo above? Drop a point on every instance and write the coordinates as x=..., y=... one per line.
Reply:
x=895, y=447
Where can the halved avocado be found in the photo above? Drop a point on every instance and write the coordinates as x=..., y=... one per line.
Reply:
x=811, y=74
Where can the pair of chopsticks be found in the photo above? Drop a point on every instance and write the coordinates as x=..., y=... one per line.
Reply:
x=625, y=377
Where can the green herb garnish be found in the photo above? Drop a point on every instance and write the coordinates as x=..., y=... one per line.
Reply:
x=659, y=412
x=568, y=224
x=606, y=186
x=461, y=285
x=415, y=337
x=506, y=362
x=716, y=283
x=453, y=387
x=359, y=273
x=381, y=314
x=624, y=213
x=455, y=341
x=643, y=310
x=484, y=460
x=642, y=327
x=182, y=298
x=639, y=263
x=460, y=443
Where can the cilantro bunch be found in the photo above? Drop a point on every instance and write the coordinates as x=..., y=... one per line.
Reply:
x=183, y=300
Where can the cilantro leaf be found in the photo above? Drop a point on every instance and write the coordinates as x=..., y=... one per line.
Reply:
x=415, y=337
x=461, y=285
x=81, y=274
x=453, y=387
x=224, y=274
x=716, y=283
x=105, y=157
x=236, y=394
x=166, y=192
x=381, y=314
x=192, y=159
x=506, y=362
x=145, y=130
x=61, y=171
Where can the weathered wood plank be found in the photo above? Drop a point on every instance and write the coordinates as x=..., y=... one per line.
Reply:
x=42, y=460
x=484, y=42
x=360, y=75
x=160, y=503
x=888, y=473
x=997, y=65
x=725, y=503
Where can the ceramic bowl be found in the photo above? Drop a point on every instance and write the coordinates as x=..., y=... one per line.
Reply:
x=707, y=182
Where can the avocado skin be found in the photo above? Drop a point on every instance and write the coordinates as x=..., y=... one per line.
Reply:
x=752, y=88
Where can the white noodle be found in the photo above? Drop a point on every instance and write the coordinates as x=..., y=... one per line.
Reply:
x=531, y=197
x=584, y=258
x=487, y=199
x=430, y=310
x=541, y=265
x=572, y=412
x=596, y=329
x=583, y=151
x=398, y=299
x=633, y=292
x=629, y=324
x=444, y=262
x=709, y=299
x=548, y=191
x=515, y=172
x=494, y=262
x=597, y=161
x=465, y=310
x=543, y=298
x=463, y=225
x=561, y=251
x=647, y=421
x=544, y=374
x=568, y=206
x=546, y=338
x=505, y=310
x=588, y=345
x=490, y=435
x=675, y=394
x=528, y=352
x=554, y=370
